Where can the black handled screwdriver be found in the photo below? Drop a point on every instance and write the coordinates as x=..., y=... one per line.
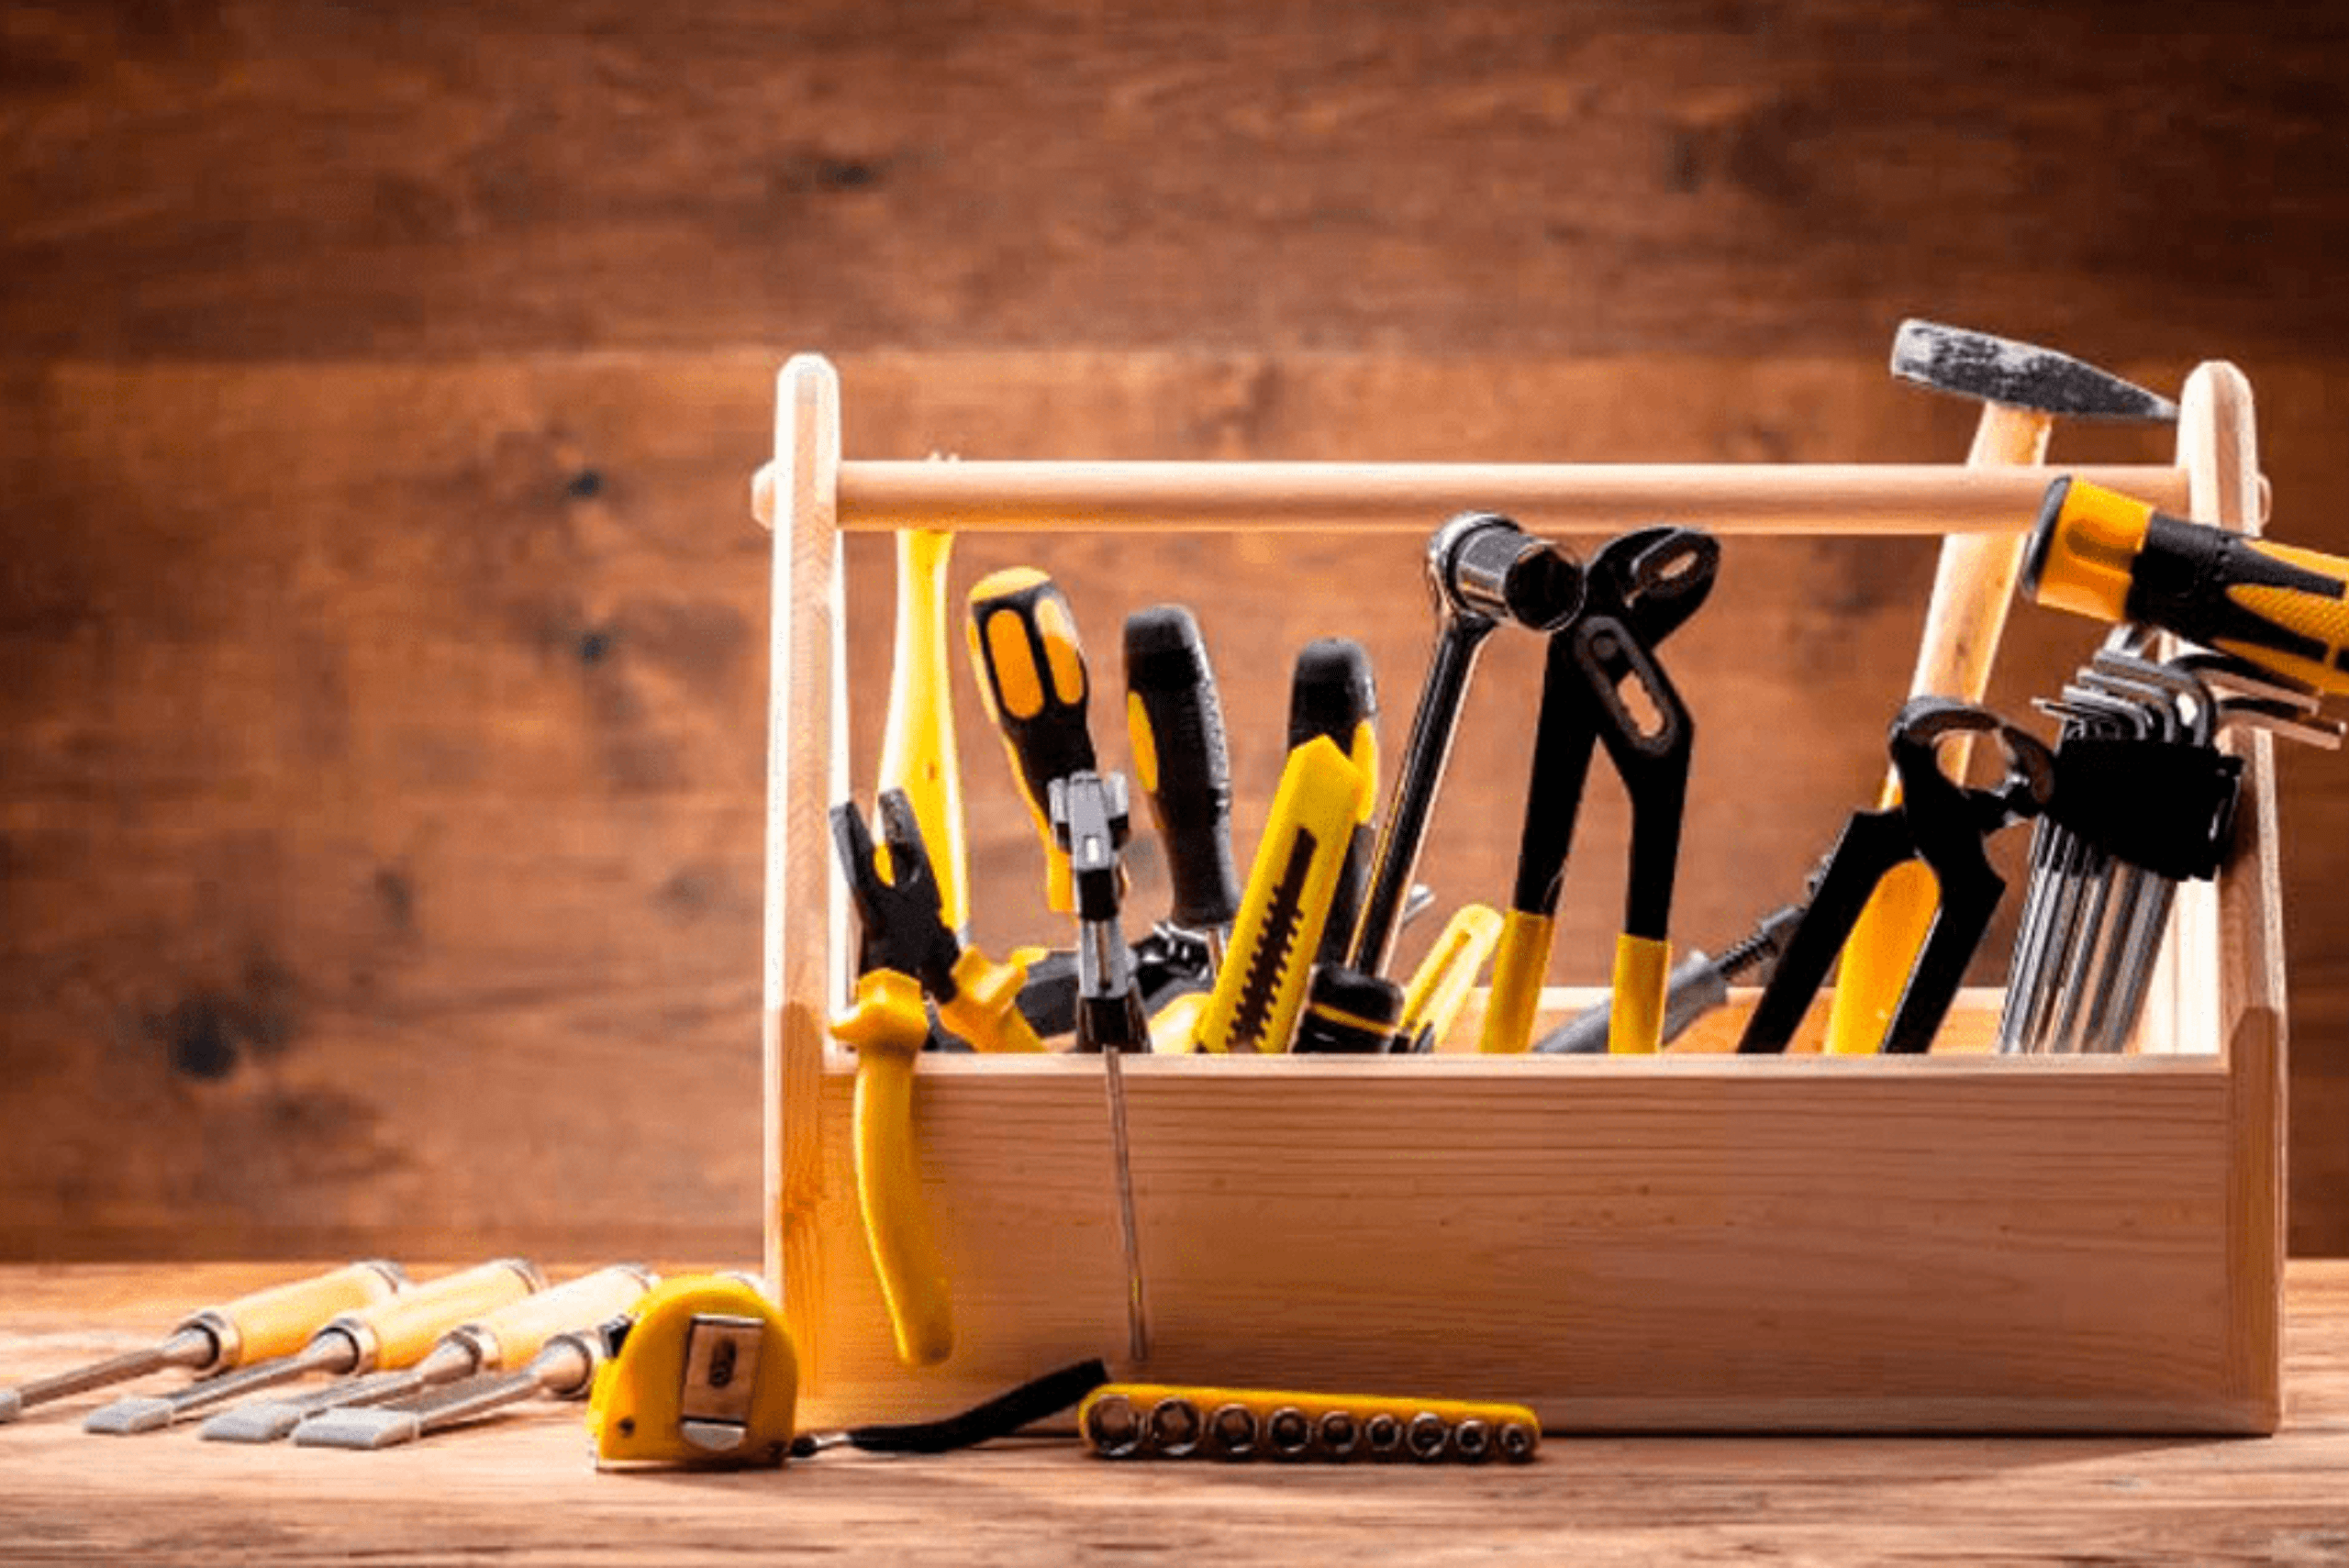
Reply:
x=1174, y=721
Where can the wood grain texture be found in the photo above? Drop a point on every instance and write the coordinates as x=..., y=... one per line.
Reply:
x=383, y=745
x=261, y=178
x=520, y=1489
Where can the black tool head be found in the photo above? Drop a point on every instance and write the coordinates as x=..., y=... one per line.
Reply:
x=902, y=918
x=1331, y=692
x=1653, y=578
x=1968, y=363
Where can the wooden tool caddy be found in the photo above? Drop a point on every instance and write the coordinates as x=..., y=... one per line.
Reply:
x=1685, y=1242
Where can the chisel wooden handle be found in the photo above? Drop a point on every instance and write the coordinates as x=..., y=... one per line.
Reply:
x=514, y=1332
x=399, y=1329
x=280, y=1320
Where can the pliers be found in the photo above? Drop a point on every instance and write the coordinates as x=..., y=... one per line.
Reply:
x=1939, y=821
x=1639, y=589
x=905, y=948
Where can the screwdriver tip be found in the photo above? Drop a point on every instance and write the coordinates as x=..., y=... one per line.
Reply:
x=126, y=1415
x=358, y=1428
x=12, y=1405
x=263, y=1421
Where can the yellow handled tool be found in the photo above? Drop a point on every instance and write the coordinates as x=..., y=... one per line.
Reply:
x=1156, y=1420
x=261, y=1326
x=1031, y=673
x=2099, y=553
x=1439, y=987
x=391, y=1332
x=918, y=753
x=887, y=1028
x=1261, y=987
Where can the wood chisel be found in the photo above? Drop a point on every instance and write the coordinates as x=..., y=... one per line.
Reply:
x=1261, y=988
x=256, y=1327
x=917, y=751
x=1031, y=675
x=497, y=1341
x=391, y=1332
x=2022, y=388
x=1174, y=724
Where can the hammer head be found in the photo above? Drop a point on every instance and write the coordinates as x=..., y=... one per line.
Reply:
x=1967, y=363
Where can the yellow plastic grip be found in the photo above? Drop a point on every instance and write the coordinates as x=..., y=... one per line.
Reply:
x=985, y=1008
x=1440, y=986
x=1175, y=1027
x=514, y=1332
x=1032, y=681
x=1518, y=964
x=395, y=1332
x=1261, y=987
x=2086, y=551
x=280, y=1320
x=918, y=753
x=887, y=1028
x=649, y=1402
x=1883, y=949
x=1635, y=1016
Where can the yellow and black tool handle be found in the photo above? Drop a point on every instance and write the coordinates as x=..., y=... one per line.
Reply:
x=2105, y=555
x=985, y=1008
x=1262, y=985
x=918, y=752
x=1332, y=693
x=1031, y=673
x=1156, y=1420
x=1175, y=722
x=887, y=1028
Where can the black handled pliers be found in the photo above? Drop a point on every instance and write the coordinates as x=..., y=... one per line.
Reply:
x=1939, y=821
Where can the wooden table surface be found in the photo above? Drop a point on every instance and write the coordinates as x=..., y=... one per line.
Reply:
x=520, y=1489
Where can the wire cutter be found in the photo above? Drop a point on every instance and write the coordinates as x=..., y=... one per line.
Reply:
x=1939, y=821
x=1638, y=590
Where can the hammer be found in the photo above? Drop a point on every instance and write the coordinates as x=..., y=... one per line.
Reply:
x=2021, y=387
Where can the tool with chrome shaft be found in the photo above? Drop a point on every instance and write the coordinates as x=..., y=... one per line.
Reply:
x=1939, y=821
x=2023, y=389
x=390, y=1332
x=1090, y=822
x=2099, y=553
x=261, y=1326
x=1699, y=986
x=1262, y=984
x=1175, y=723
x=1332, y=693
x=499, y=1341
x=1439, y=987
x=918, y=752
x=1638, y=590
x=1483, y=571
x=1031, y=672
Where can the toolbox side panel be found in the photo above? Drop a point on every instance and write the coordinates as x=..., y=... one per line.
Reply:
x=1683, y=1243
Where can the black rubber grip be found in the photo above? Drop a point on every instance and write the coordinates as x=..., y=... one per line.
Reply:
x=1189, y=777
x=1332, y=693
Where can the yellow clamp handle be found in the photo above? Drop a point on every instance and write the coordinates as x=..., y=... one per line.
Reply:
x=1519, y=963
x=887, y=1026
x=1635, y=1016
x=918, y=752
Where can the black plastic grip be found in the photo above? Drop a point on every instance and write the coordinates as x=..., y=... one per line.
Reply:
x=1332, y=693
x=1188, y=771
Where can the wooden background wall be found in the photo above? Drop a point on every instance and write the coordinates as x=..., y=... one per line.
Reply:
x=380, y=743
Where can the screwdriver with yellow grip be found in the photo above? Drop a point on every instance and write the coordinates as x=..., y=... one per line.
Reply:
x=1031, y=675
x=2099, y=553
x=391, y=1332
x=256, y=1327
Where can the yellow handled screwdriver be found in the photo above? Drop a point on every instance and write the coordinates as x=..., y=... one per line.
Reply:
x=1031, y=675
x=260, y=1327
x=918, y=753
x=504, y=1338
x=391, y=1332
x=2099, y=553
